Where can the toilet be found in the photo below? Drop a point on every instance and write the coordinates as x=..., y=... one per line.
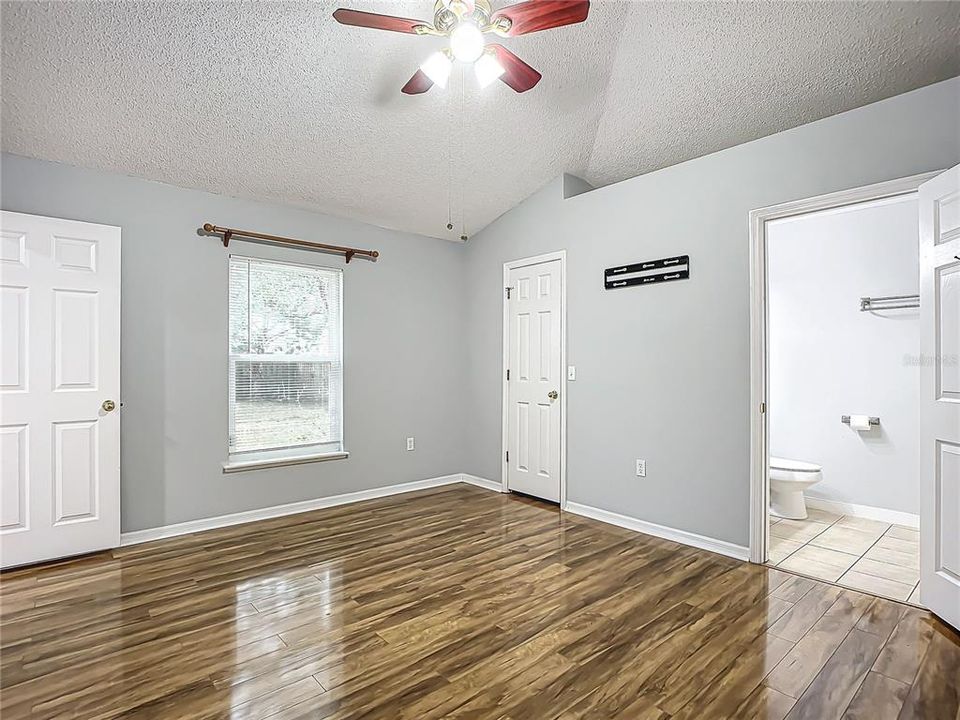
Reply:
x=788, y=480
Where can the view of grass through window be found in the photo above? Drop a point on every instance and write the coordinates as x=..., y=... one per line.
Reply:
x=285, y=372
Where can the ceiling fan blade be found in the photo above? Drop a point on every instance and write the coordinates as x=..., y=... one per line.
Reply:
x=520, y=76
x=535, y=15
x=377, y=22
x=419, y=83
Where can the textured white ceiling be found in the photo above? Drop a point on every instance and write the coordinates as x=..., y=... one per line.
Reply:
x=276, y=101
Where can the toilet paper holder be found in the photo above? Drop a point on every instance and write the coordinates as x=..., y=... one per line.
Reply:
x=845, y=419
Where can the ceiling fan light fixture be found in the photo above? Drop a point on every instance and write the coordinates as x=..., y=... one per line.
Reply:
x=488, y=69
x=466, y=42
x=437, y=67
x=465, y=23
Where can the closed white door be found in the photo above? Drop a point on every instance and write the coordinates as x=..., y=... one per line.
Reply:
x=59, y=388
x=940, y=395
x=534, y=380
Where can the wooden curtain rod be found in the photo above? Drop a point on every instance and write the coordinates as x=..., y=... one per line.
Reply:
x=228, y=233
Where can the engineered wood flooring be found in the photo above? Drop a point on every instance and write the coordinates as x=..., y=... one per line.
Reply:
x=455, y=603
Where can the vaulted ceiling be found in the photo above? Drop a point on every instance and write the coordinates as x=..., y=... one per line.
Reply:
x=276, y=101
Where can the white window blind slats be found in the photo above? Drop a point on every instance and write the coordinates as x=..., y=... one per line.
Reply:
x=285, y=372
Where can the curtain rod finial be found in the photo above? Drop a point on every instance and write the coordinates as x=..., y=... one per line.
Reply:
x=207, y=227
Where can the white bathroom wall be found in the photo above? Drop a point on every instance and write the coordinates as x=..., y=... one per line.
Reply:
x=827, y=358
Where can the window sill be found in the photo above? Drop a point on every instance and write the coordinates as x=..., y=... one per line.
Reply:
x=233, y=466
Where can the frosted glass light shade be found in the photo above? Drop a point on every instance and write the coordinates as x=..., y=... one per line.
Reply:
x=466, y=42
x=487, y=69
x=437, y=68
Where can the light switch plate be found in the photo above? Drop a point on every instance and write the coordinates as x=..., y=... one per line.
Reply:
x=571, y=372
x=410, y=444
x=641, y=468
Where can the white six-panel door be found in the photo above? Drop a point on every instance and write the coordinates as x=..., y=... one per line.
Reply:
x=59, y=374
x=535, y=380
x=940, y=395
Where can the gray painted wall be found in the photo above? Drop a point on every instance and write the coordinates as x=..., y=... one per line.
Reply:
x=663, y=371
x=403, y=358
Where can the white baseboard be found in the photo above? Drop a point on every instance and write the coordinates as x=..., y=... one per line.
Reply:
x=681, y=536
x=868, y=512
x=667, y=533
x=481, y=482
x=141, y=536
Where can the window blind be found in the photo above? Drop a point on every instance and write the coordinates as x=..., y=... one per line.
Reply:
x=285, y=370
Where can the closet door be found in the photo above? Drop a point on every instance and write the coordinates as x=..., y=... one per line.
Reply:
x=535, y=380
x=59, y=388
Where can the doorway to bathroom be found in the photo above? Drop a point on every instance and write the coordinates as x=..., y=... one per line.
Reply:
x=836, y=348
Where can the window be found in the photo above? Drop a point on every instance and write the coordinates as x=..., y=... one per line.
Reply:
x=285, y=362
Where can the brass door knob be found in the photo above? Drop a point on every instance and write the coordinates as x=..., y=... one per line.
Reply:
x=553, y=395
x=109, y=406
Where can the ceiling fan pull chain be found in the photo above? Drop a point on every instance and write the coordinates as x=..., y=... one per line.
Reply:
x=450, y=161
x=463, y=209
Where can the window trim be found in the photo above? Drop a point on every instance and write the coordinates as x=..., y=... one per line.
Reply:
x=259, y=461
x=281, y=457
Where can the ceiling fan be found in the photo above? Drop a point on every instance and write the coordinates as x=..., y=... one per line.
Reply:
x=465, y=22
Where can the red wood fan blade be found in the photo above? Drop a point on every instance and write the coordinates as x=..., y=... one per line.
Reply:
x=419, y=83
x=375, y=21
x=535, y=15
x=520, y=76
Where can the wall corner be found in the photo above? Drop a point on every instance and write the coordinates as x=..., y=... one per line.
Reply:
x=573, y=186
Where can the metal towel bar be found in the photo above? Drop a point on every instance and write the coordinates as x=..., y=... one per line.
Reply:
x=890, y=302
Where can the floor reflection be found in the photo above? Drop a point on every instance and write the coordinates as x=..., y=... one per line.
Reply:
x=455, y=602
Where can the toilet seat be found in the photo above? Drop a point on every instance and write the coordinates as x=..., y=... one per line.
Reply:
x=798, y=466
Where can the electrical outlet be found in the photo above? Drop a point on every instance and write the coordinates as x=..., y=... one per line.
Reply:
x=641, y=468
x=411, y=445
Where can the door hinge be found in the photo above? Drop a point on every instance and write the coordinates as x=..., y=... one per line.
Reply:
x=763, y=408
x=508, y=373
x=508, y=292
x=508, y=456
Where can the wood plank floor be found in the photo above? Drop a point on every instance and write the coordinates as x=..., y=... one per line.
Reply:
x=455, y=603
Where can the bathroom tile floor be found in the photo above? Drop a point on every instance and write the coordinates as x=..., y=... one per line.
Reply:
x=867, y=555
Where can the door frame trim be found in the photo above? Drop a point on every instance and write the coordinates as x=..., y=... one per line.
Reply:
x=560, y=255
x=759, y=369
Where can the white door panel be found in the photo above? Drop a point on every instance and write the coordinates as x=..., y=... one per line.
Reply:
x=947, y=298
x=60, y=360
x=13, y=353
x=14, y=485
x=534, y=362
x=940, y=395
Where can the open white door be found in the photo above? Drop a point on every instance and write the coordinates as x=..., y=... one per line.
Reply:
x=940, y=395
x=59, y=388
